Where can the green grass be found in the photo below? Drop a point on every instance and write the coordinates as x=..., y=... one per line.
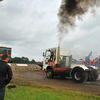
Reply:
x=30, y=91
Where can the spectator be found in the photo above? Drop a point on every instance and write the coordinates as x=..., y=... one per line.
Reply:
x=5, y=75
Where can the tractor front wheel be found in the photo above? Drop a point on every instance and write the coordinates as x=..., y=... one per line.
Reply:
x=49, y=73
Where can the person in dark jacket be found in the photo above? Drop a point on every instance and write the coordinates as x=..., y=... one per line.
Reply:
x=5, y=75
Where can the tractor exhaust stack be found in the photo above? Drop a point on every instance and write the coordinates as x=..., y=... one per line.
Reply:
x=58, y=55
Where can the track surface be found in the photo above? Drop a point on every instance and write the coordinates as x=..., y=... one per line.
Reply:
x=92, y=87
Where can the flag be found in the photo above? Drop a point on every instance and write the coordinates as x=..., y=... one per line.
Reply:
x=90, y=54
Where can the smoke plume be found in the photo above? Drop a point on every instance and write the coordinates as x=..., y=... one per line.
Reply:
x=69, y=11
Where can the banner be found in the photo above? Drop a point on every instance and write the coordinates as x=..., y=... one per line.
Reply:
x=21, y=65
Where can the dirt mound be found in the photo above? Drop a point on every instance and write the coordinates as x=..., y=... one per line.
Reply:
x=15, y=66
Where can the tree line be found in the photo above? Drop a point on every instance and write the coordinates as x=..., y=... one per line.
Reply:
x=23, y=60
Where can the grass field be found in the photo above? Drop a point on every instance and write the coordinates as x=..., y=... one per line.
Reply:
x=30, y=91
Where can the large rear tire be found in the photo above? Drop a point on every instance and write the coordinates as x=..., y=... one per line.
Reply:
x=79, y=75
x=49, y=73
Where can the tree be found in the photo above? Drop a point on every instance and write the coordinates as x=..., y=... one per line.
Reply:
x=25, y=60
x=74, y=61
x=16, y=60
x=81, y=59
x=96, y=58
x=33, y=61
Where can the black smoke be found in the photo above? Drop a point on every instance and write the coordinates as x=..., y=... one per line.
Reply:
x=70, y=10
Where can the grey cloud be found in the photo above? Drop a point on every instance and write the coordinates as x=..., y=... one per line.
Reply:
x=30, y=27
x=89, y=23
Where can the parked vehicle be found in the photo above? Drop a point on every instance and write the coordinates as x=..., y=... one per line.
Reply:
x=5, y=50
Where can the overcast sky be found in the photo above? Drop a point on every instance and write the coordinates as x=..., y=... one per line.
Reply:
x=30, y=26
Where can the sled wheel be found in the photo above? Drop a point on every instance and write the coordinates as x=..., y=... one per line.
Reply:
x=95, y=75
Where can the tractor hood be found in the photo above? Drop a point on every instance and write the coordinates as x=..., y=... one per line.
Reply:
x=91, y=67
x=77, y=65
x=83, y=66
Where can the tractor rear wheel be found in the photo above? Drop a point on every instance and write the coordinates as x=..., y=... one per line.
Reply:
x=79, y=75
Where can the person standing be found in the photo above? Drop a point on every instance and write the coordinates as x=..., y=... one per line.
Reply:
x=5, y=75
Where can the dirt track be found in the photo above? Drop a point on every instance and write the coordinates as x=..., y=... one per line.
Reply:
x=66, y=84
